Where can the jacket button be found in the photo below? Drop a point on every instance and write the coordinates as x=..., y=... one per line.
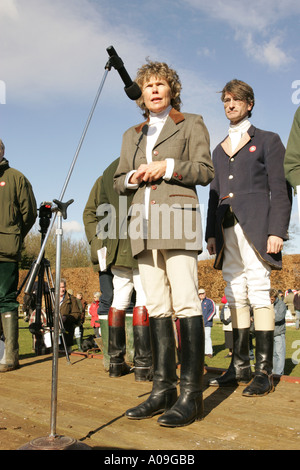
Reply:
x=154, y=187
x=155, y=152
x=230, y=194
x=230, y=177
x=180, y=177
x=175, y=175
x=152, y=202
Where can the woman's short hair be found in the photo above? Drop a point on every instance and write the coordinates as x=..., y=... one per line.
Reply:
x=273, y=293
x=163, y=71
x=239, y=90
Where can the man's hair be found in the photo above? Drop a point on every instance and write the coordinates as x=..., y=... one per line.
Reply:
x=163, y=71
x=241, y=91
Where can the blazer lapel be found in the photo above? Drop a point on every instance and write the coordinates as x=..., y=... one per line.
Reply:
x=226, y=144
x=170, y=127
x=168, y=130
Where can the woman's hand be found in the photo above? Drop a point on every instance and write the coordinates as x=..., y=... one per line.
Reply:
x=151, y=172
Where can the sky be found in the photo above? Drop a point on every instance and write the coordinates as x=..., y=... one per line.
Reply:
x=52, y=62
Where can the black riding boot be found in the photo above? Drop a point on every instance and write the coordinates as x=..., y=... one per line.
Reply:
x=239, y=371
x=117, y=343
x=262, y=383
x=189, y=406
x=164, y=391
x=142, y=347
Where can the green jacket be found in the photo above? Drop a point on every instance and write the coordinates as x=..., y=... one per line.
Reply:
x=292, y=154
x=18, y=211
x=105, y=221
x=90, y=222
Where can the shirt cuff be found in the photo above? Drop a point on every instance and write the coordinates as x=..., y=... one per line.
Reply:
x=130, y=185
x=170, y=168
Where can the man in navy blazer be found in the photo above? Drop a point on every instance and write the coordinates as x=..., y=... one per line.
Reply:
x=247, y=221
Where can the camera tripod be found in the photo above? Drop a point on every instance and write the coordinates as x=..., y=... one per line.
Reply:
x=43, y=289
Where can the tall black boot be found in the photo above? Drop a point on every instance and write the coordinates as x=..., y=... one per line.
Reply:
x=262, y=383
x=239, y=371
x=164, y=391
x=189, y=406
x=117, y=343
x=142, y=347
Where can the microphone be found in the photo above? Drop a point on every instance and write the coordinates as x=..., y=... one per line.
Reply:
x=131, y=88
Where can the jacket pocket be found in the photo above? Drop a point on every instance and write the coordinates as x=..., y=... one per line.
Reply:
x=10, y=243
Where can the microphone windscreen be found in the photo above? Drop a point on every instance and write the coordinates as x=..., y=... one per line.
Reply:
x=133, y=91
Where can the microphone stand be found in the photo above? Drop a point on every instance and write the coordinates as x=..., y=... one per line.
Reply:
x=54, y=441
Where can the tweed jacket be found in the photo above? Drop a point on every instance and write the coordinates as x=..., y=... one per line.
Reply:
x=251, y=183
x=174, y=216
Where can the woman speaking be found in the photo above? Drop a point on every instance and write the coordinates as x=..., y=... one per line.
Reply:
x=162, y=160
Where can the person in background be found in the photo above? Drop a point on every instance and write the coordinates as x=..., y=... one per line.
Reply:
x=289, y=301
x=292, y=157
x=70, y=313
x=279, y=333
x=93, y=311
x=208, y=311
x=18, y=212
x=297, y=307
x=90, y=221
x=225, y=317
x=247, y=222
x=110, y=224
x=79, y=328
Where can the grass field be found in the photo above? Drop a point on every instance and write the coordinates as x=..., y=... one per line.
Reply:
x=292, y=361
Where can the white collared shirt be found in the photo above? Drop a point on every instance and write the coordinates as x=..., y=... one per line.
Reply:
x=236, y=132
x=156, y=123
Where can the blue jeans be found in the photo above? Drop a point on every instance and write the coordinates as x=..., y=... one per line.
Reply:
x=279, y=354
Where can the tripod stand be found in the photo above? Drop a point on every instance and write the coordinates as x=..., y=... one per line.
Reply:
x=43, y=289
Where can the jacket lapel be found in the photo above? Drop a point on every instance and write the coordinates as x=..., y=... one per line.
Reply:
x=168, y=130
x=170, y=127
x=226, y=145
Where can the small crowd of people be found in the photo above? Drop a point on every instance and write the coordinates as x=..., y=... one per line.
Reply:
x=143, y=220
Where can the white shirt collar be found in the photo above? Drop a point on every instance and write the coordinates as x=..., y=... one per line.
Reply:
x=241, y=127
x=155, y=118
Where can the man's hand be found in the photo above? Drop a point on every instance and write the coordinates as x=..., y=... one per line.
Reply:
x=211, y=246
x=274, y=244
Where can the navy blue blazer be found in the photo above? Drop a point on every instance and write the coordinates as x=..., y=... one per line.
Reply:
x=251, y=181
